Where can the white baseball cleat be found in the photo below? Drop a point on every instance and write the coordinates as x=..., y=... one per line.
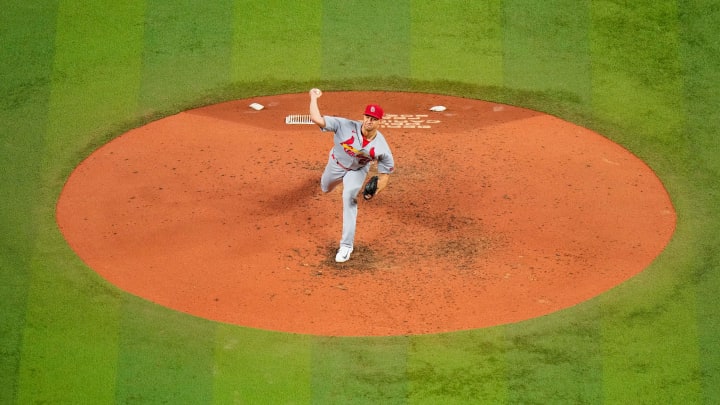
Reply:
x=343, y=254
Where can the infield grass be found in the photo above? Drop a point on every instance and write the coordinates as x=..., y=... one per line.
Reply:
x=75, y=74
x=25, y=88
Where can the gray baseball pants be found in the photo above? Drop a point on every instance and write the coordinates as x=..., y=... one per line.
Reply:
x=353, y=181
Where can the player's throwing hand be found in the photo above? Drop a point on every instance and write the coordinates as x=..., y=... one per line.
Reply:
x=315, y=93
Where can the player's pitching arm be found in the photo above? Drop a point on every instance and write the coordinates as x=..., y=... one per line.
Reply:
x=315, y=115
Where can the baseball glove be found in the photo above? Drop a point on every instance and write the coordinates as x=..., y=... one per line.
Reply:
x=370, y=188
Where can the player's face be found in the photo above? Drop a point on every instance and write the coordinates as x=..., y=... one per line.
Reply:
x=370, y=123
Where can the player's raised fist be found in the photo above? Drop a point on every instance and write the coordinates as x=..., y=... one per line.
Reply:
x=315, y=93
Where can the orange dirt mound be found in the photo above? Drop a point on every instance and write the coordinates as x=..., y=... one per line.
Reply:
x=495, y=214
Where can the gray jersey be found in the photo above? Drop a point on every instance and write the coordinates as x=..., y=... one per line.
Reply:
x=350, y=150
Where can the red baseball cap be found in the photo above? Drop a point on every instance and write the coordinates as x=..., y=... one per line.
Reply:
x=374, y=111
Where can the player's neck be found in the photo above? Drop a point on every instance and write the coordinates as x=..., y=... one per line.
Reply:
x=369, y=135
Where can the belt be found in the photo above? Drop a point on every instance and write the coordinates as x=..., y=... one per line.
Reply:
x=340, y=164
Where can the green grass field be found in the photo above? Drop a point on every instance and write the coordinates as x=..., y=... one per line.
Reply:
x=75, y=74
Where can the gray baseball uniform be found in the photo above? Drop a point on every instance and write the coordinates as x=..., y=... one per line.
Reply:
x=349, y=162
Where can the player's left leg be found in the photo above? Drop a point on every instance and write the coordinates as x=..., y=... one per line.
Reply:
x=352, y=183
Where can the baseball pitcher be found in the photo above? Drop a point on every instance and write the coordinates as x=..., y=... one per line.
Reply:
x=356, y=144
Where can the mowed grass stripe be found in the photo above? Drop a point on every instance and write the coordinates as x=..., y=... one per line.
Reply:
x=26, y=55
x=362, y=40
x=546, y=48
x=649, y=325
x=277, y=40
x=187, y=54
x=256, y=366
x=462, y=44
x=365, y=39
x=70, y=341
x=700, y=52
x=166, y=356
x=458, y=368
x=273, y=40
x=556, y=358
x=637, y=81
x=369, y=370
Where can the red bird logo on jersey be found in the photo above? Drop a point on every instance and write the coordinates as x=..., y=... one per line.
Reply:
x=363, y=158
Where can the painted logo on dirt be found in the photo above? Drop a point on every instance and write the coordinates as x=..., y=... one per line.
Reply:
x=412, y=121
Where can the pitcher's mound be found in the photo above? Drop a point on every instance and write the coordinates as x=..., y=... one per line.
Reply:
x=495, y=214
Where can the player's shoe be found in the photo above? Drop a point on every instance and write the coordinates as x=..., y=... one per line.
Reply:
x=343, y=254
